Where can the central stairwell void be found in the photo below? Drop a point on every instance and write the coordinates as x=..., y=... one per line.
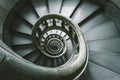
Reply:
x=60, y=40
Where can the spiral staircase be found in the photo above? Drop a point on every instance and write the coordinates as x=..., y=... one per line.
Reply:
x=59, y=40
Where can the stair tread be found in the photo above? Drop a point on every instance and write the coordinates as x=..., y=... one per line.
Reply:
x=54, y=6
x=29, y=14
x=19, y=40
x=69, y=6
x=22, y=27
x=32, y=56
x=84, y=10
x=40, y=6
x=108, y=44
x=40, y=60
x=99, y=32
x=49, y=63
x=95, y=21
x=23, y=50
x=106, y=59
x=99, y=73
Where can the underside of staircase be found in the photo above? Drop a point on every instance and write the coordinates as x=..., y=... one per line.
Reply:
x=59, y=40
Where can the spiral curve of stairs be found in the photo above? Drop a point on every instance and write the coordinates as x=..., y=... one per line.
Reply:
x=59, y=40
